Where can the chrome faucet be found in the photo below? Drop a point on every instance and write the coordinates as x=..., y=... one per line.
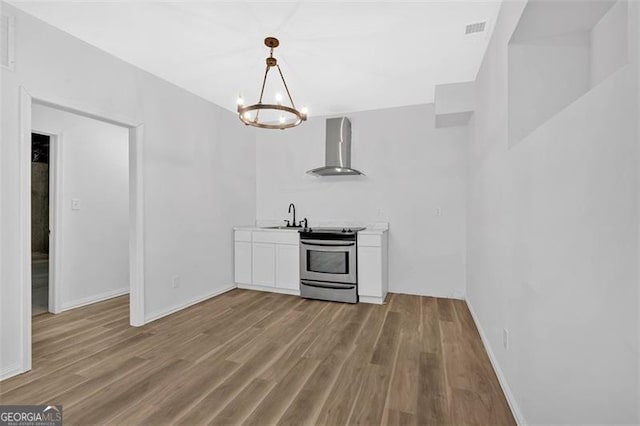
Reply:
x=294, y=215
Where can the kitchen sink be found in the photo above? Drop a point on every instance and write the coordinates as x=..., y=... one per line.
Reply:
x=281, y=227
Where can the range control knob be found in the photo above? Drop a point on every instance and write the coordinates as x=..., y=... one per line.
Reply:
x=344, y=230
x=349, y=230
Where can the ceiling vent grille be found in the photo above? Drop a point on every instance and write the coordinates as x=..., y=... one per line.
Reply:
x=478, y=27
x=6, y=41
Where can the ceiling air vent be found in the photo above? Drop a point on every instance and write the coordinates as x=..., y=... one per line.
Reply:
x=478, y=27
x=6, y=41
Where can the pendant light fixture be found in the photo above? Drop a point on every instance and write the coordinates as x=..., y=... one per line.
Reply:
x=287, y=116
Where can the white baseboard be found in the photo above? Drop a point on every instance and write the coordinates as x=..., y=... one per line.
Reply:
x=10, y=371
x=452, y=295
x=371, y=299
x=163, y=313
x=515, y=409
x=362, y=299
x=269, y=289
x=93, y=299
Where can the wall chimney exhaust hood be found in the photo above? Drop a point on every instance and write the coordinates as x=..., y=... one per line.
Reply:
x=337, y=150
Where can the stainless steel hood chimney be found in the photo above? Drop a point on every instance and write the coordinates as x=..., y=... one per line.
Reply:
x=337, y=150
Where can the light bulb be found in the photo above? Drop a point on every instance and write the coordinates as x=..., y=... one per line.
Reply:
x=240, y=101
x=281, y=119
x=304, y=111
x=278, y=97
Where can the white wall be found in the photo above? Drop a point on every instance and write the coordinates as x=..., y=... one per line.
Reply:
x=454, y=98
x=94, y=241
x=454, y=104
x=198, y=166
x=545, y=75
x=412, y=169
x=609, y=45
x=553, y=245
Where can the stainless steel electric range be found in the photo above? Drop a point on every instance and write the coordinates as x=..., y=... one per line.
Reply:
x=329, y=264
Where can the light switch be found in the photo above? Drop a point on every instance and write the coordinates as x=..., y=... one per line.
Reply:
x=75, y=204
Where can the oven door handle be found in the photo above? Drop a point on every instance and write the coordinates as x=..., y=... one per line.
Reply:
x=331, y=286
x=325, y=244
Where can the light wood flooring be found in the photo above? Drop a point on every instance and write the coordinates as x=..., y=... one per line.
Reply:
x=261, y=358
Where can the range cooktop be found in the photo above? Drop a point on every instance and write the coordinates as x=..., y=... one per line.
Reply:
x=331, y=230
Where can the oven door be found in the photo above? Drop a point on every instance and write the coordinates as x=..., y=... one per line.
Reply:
x=334, y=292
x=328, y=260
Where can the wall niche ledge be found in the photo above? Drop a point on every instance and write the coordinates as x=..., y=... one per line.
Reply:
x=554, y=61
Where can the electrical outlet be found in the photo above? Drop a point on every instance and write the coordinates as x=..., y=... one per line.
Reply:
x=438, y=212
x=505, y=338
x=175, y=281
x=75, y=204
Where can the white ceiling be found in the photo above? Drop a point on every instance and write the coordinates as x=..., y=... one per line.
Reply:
x=336, y=56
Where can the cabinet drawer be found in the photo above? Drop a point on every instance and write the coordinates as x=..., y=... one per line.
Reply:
x=282, y=237
x=242, y=236
x=370, y=240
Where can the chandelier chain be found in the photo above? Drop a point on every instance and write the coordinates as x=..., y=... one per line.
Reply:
x=286, y=87
x=264, y=82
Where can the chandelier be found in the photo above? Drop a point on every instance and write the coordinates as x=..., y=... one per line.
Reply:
x=287, y=116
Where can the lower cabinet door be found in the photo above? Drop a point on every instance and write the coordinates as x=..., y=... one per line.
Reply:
x=242, y=262
x=288, y=266
x=264, y=268
x=370, y=271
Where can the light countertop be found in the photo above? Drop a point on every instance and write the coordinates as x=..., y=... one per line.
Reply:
x=370, y=229
x=265, y=229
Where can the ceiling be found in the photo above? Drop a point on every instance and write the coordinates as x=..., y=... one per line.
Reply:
x=336, y=57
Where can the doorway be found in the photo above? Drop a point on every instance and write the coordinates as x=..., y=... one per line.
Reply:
x=89, y=162
x=135, y=250
x=40, y=228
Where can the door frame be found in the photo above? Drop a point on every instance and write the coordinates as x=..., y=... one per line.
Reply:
x=136, y=204
x=55, y=215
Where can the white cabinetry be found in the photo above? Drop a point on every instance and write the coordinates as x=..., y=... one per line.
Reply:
x=269, y=260
x=242, y=257
x=373, y=267
x=274, y=261
x=263, y=265
x=288, y=267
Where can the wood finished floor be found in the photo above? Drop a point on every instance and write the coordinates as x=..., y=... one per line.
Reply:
x=261, y=358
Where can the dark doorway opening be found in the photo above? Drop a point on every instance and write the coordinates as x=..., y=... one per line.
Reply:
x=40, y=149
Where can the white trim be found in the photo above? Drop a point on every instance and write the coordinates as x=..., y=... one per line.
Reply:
x=24, y=150
x=55, y=221
x=455, y=295
x=634, y=23
x=11, y=43
x=12, y=370
x=159, y=314
x=372, y=299
x=55, y=217
x=362, y=299
x=136, y=255
x=85, y=110
x=136, y=228
x=511, y=400
x=93, y=299
x=269, y=289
